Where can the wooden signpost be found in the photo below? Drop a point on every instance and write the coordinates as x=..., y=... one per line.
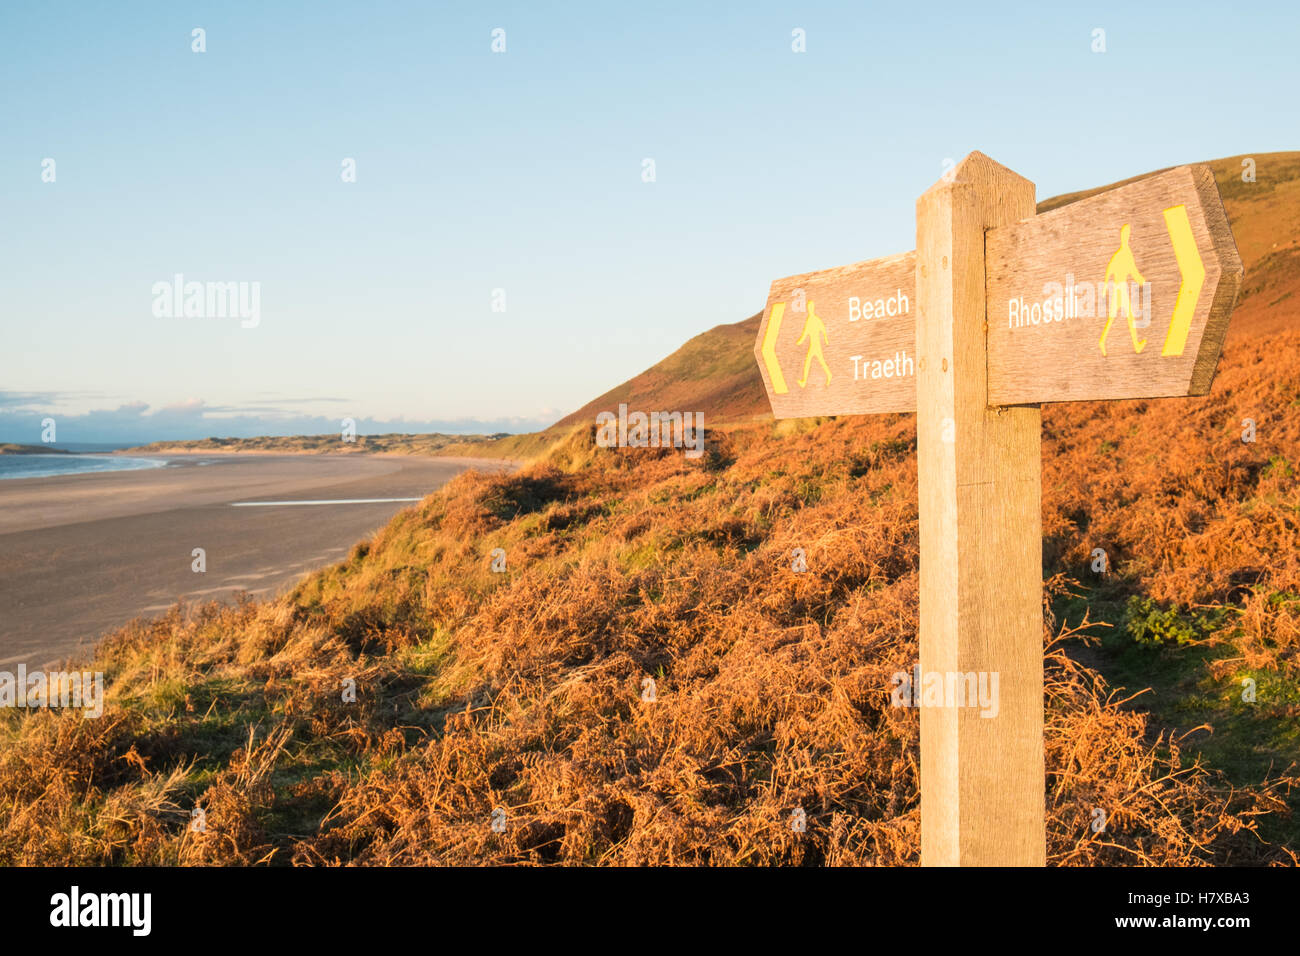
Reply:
x=1123, y=295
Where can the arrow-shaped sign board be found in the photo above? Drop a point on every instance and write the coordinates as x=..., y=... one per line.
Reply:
x=1123, y=295
x=841, y=341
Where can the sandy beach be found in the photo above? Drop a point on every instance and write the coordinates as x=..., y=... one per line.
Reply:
x=82, y=554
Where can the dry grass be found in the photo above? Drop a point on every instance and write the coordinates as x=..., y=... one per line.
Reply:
x=523, y=690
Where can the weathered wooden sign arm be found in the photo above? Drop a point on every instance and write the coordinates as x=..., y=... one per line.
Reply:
x=1122, y=295
x=1126, y=294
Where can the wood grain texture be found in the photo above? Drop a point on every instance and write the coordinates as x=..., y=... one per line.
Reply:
x=982, y=778
x=1061, y=359
x=889, y=340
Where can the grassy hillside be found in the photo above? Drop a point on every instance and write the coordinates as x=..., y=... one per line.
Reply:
x=525, y=691
x=713, y=373
x=10, y=448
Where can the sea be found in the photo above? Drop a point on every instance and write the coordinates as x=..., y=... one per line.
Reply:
x=51, y=466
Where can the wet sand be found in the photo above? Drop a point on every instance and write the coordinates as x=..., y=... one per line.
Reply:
x=83, y=554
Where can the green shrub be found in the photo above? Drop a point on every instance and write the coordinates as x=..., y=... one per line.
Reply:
x=1152, y=626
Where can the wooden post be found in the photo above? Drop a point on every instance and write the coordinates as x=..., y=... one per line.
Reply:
x=982, y=777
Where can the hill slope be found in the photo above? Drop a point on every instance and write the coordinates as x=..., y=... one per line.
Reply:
x=432, y=443
x=713, y=373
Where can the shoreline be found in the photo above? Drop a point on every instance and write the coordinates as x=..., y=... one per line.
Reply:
x=83, y=555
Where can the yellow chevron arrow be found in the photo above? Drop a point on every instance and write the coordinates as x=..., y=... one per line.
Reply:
x=1193, y=272
x=769, y=348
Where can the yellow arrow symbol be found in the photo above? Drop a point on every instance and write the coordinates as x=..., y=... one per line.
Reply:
x=769, y=348
x=1193, y=272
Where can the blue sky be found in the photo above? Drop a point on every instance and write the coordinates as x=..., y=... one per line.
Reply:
x=522, y=171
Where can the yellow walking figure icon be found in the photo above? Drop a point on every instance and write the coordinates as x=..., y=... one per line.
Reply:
x=814, y=329
x=1119, y=271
